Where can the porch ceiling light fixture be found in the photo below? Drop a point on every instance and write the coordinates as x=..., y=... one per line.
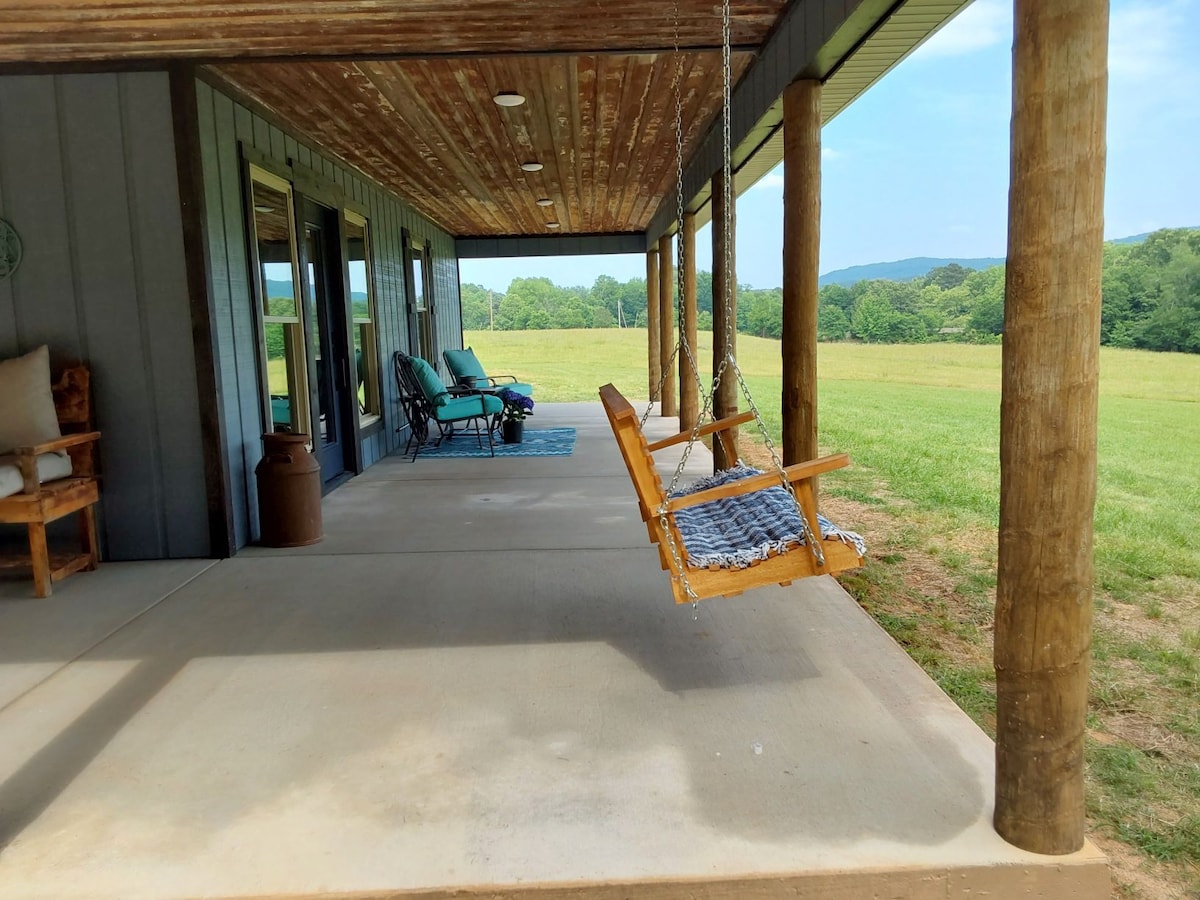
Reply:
x=508, y=98
x=544, y=201
x=552, y=225
x=532, y=166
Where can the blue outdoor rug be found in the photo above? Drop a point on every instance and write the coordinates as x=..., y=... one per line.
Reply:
x=539, y=442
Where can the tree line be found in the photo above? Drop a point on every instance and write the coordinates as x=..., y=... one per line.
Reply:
x=1150, y=300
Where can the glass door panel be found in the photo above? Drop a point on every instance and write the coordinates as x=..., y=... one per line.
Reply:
x=283, y=332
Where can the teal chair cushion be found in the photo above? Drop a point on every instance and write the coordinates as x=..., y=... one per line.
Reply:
x=455, y=408
x=431, y=385
x=463, y=364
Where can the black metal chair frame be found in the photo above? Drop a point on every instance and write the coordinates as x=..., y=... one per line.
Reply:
x=418, y=410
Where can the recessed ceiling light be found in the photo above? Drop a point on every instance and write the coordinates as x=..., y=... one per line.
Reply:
x=552, y=225
x=508, y=98
x=545, y=201
x=264, y=209
x=532, y=166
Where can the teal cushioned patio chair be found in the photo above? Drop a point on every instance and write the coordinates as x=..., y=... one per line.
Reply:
x=466, y=371
x=426, y=398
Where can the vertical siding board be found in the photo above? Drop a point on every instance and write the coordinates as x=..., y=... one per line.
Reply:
x=278, y=145
x=102, y=235
x=8, y=309
x=243, y=124
x=262, y=131
x=43, y=290
x=163, y=298
x=210, y=153
x=245, y=438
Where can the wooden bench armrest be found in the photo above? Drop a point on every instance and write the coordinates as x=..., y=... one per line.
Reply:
x=62, y=443
x=27, y=456
x=719, y=425
x=794, y=473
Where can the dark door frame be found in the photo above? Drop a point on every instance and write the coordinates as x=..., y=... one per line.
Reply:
x=338, y=459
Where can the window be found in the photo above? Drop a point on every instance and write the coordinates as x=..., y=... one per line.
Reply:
x=362, y=314
x=425, y=339
x=283, y=350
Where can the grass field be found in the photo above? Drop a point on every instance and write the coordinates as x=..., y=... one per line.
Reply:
x=921, y=423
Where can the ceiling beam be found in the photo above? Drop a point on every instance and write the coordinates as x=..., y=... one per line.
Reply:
x=142, y=64
x=549, y=245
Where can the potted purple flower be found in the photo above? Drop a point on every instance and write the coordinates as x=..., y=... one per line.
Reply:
x=516, y=408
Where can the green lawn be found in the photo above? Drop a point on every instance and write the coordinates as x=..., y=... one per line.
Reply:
x=921, y=424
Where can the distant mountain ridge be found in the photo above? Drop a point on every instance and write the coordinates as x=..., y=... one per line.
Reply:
x=901, y=269
x=920, y=266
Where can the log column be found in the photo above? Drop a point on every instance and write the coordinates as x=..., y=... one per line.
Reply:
x=652, y=337
x=801, y=258
x=725, y=401
x=666, y=324
x=689, y=393
x=1048, y=420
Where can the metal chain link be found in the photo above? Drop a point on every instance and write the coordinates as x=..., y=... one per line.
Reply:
x=669, y=366
x=728, y=360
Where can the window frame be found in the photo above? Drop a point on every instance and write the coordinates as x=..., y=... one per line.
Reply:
x=295, y=330
x=371, y=410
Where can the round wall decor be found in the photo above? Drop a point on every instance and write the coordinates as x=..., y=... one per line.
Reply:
x=10, y=250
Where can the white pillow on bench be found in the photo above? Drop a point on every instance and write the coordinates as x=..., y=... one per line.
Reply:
x=49, y=466
x=27, y=414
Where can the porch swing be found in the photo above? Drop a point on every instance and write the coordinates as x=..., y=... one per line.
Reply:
x=740, y=528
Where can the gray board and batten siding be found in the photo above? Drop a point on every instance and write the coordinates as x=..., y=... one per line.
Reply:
x=224, y=124
x=88, y=179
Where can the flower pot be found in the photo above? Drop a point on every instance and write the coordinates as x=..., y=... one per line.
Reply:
x=512, y=430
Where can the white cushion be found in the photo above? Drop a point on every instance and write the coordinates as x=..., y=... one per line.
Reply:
x=27, y=415
x=50, y=466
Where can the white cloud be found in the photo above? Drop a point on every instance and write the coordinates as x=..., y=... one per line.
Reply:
x=829, y=154
x=983, y=24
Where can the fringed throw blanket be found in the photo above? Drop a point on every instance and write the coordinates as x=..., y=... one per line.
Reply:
x=737, y=531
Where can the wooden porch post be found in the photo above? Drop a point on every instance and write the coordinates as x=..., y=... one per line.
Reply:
x=1048, y=420
x=652, y=338
x=801, y=252
x=666, y=325
x=689, y=394
x=725, y=402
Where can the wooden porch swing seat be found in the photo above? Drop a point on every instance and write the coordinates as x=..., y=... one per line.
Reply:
x=796, y=561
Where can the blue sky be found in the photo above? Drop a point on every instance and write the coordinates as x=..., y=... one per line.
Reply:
x=918, y=166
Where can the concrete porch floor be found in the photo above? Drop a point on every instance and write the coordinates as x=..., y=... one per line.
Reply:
x=478, y=683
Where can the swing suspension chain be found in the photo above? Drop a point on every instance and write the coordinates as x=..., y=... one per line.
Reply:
x=728, y=361
x=669, y=365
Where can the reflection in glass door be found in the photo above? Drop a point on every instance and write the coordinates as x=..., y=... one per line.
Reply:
x=283, y=350
x=329, y=353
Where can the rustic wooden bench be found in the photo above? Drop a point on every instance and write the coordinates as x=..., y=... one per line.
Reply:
x=797, y=561
x=38, y=504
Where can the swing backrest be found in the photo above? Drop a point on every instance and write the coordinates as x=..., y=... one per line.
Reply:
x=634, y=450
x=639, y=462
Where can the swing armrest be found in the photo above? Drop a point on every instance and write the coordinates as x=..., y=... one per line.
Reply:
x=712, y=427
x=794, y=473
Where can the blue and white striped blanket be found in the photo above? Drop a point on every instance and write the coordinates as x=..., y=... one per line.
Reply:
x=737, y=531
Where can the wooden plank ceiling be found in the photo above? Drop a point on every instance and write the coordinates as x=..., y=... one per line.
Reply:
x=79, y=30
x=402, y=89
x=602, y=126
